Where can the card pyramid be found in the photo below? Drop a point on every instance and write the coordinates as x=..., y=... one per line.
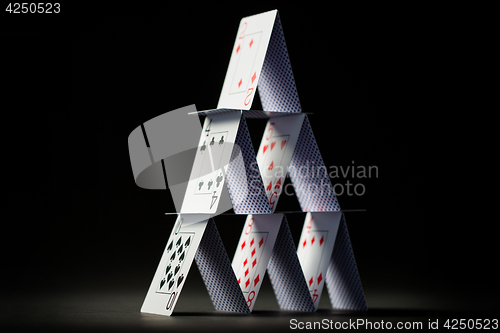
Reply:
x=226, y=173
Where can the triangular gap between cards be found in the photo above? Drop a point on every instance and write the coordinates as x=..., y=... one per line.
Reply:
x=217, y=273
x=289, y=202
x=257, y=103
x=285, y=274
x=342, y=277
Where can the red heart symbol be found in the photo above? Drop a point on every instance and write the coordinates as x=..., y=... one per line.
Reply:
x=265, y=148
x=270, y=186
x=283, y=143
x=271, y=166
x=273, y=144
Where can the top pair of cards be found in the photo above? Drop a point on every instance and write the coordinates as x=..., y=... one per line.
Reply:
x=259, y=59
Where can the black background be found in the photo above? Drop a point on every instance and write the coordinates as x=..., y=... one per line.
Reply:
x=389, y=87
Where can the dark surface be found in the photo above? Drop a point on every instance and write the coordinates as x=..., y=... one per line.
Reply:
x=119, y=310
x=391, y=87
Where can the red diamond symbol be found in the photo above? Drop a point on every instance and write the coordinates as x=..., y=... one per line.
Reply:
x=247, y=283
x=256, y=281
x=253, y=252
x=239, y=83
x=312, y=241
x=246, y=272
x=320, y=278
x=261, y=242
x=311, y=281
x=238, y=49
x=321, y=241
x=305, y=243
x=251, y=242
x=251, y=43
x=254, y=263
x=254, y=76
x=245, y=262
x=243, y=244
x=239, y=280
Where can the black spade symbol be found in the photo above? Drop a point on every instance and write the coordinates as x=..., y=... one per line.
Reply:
x=170, y=246
x=171, y=284
x=181, y=258
x=179, y=280
x=176, y=270
x=172, y=257
x=179, y=250
x=179, y=242
x=168, y=269
x=188, y=242
x=169, y=277
x=162, y=282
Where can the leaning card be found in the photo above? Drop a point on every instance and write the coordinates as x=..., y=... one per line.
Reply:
x=253, y=253
x=246, y=61
x=207, y=178
x=174, y=265
x=275, y=152
x=315, y=249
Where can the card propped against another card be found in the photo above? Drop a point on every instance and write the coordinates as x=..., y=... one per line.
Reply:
x=315, y=249
x=174, y=265
x=254, y=250
x=208, y=173
x=275, y=153
x=259, y=59
x=324, y=256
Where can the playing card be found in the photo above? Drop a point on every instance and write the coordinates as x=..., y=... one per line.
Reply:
x=207, y=178
x=244, y=182
x=315, y=249
x=309, y=175
x=342, y=277
x=174, y=265
x=246, y=61
x=275, y=152
x=253, y=253
x=286, y=274
x=217, y=273
x=276, y=86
